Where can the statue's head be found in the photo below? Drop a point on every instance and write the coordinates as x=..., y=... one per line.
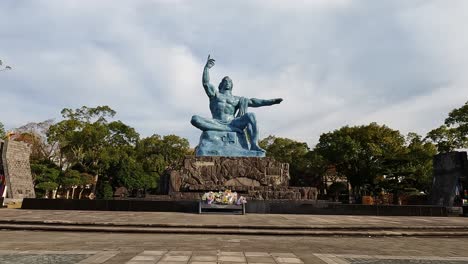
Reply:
x=225, y=84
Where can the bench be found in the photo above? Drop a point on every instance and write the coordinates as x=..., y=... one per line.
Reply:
x=204, y=208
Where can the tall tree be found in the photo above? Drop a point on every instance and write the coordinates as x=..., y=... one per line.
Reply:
x=156, y=154
x=360, y=152
x=420, y=155
x=454, y=133
x=306, y=167
x=86, y=137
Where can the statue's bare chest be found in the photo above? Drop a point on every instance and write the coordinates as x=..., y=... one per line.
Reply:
x=225, y=101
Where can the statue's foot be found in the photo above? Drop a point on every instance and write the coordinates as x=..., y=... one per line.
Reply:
x=257, y=148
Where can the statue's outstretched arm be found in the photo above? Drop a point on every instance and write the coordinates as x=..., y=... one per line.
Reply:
x=209, y=88
x=254, y=102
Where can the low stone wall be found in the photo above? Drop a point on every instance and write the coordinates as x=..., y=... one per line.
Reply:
x=253, y=206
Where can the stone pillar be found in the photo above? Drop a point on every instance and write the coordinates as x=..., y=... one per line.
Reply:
x=15, y=159
x=450, y=170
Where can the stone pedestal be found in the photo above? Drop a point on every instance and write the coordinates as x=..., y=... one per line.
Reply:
x=229, y=144
x=255, y=178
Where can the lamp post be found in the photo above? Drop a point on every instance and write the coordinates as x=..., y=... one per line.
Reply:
x=4, y=68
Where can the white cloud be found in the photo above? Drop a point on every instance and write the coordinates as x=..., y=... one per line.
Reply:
x=400, y=63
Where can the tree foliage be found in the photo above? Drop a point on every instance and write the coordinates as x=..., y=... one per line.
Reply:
x=360, y=152
x=88, y=147
x=86, y=137
x=454, y=133
x=306, y=167
x=2, y=131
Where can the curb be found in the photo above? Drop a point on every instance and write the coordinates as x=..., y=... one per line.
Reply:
x=228, y=226
x=235, y=231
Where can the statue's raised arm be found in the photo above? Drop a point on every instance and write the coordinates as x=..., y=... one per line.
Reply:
x=209, y=88
x=254, y=102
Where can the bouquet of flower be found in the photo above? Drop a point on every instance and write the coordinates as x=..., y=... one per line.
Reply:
x=226, y=197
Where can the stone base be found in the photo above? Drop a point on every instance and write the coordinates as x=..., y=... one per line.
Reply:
x=227, y=144
x=255, y=178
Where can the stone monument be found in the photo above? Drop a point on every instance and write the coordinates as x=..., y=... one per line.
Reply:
x=231, y=131
x=450, y=172
x=228, y=155
x=16, y=169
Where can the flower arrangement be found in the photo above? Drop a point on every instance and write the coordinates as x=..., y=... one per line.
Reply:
x=223, y=197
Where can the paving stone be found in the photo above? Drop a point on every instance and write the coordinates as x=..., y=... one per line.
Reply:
x=260, y=260
x=41, y=259
x=175, y=258
x=171, y=262
x=286, y=255
x=204, y=258
x=203, y=262
x=402, y=261
x=232, y=258
x=288, y=260
x=382, y=259
x=153, y=252
x=205, y=253
x=256, y=254
x=179, y=253
x=230, y=253
x=148, y=258
x=100, y=257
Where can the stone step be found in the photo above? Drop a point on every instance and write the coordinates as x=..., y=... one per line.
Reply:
x=446, y=231
x=233, y=226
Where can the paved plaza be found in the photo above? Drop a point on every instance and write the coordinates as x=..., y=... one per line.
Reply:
x=27, y=244
x=20, y=247
x=167, y=219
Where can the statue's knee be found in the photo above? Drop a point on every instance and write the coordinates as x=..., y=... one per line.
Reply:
x=195, y=120
x=251, y=116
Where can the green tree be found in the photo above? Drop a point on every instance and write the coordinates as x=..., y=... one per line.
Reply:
x=70, y=179
x=454, y=133
x=2, y=130
x=361, y=152
x=306, y=167
x=420, y=156
x=156, y=154
x=86, y=137
x=446, y=139
x=458, y=118
x=45, y=177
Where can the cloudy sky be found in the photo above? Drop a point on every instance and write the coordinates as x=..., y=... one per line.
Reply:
x=335, y=62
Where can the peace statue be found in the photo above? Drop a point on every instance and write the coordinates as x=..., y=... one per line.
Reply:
x=226, y=133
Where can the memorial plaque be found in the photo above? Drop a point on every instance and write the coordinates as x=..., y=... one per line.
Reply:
x=17, y=170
